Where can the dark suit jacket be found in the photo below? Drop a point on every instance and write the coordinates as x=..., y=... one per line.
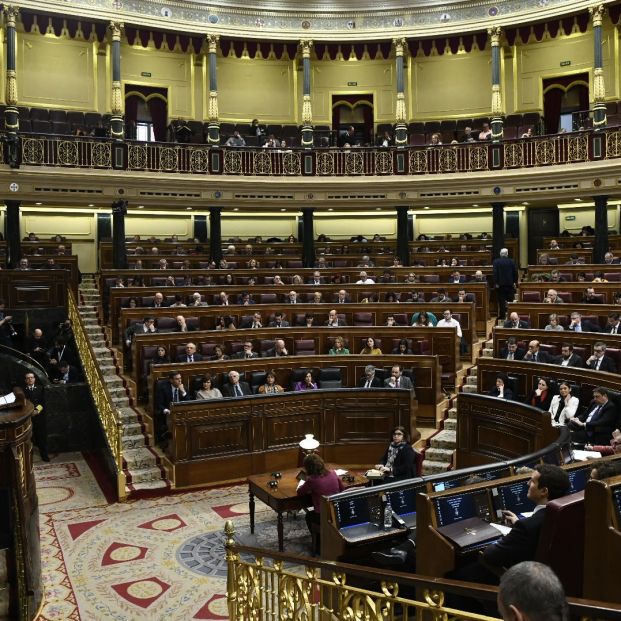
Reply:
x=74, y=375
x=403, y=467
x=271, y=353
x=505, y=272
x=517, y=355
x=404, y=382
x=242, y=354
x=574, y=361
x=164, y=396
x=375, y=382
x=608, y=329
x=508, y=393
x=184, y=357
x=227, y=389
x=521, y=324
x=35, y=396
x=542, y=356
x=189, y=328
x=586, y=326
x=164, y=304
x=607, y=364
x=599, y=430
x=283, y=324
x=518, y=545
x=340, y=322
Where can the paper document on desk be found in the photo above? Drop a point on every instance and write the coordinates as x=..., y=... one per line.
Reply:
x=300, y=483
x=501, y=527
x=340, y=472
x=585, y=455
x=7, y=400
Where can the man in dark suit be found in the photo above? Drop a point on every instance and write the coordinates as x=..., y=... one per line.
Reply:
x=278, y=351
x=182, y=325
x=398, y=380
x=68, y=374
x=599, y=361
x=514, y=321
x=159, y=301
x=190, y=354
x=535, y=354
x=348, y=137
x=547, y=483
x=568, y=358
x=235, y=388
x=334, y=321
x=369, y=380
x=278, y=322
x=578, y=325
x=168, y=392
x=590, y=297
x=292, y=298
x=316, y=278
x=255, y=321
x=595, y=426
x=614, y=324
x=505, y=280
x=37, y=347
x=511, y=351
x=246, y=352
x=34, y=394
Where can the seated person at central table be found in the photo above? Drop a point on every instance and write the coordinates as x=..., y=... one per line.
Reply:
x=270, y=387
x=306, y=384
x=319, y=482
x=398, y=461
x=207, y=390
x=541, y=396
x=596, y=424
x=235, y=388
x=563, y=406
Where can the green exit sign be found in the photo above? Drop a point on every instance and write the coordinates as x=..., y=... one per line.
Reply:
x=147, y=74
x=570, y=218
x=352, y=83
x=565, y=63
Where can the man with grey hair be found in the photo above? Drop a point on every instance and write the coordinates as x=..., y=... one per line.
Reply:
x=369, y=380
x=505, y=280
x=531, y=591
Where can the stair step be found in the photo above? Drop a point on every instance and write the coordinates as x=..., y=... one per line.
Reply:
x=438, y=454
x=469, y=388
x=433, y=467
x=488, y=352
x=132, y=428
x=145, y=475
x=138, y=458
x=114, y=383
x=101, y=350
x=471, y=380
x=148, y=485
x=120, y=402
x=473, y=370
x=444, y=440
x=452, y=413
x=450, y=424
x=135, y=441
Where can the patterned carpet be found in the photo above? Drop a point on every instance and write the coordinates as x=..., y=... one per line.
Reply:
x=157, y=559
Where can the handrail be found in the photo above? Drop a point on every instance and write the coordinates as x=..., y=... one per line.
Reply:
x=109, y=416
x=324, y=590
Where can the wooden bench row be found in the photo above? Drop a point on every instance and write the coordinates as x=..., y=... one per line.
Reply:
x=536, y=291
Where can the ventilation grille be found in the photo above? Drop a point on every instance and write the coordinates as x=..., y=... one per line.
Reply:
x=68, y=190
x=441, y=194
x=266, y=197
x=547, y=188
x=357, y=197
x=172, y=194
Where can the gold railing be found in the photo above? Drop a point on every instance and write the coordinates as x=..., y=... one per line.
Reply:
x=108, y=415
x=66, y=151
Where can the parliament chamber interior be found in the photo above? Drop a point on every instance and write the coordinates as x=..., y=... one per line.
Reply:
x=394, y=234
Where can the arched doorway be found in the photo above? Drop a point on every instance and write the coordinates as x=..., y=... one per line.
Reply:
x=563, y=98
x=356, y=111
x=146, y=112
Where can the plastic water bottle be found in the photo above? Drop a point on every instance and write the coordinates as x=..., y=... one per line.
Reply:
x=387, y=513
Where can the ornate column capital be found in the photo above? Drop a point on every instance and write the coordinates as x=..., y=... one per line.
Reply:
x=116, y=29
x=306, y=45
x=400, y=45
x=597, y=14
x=10, y=15
x=212, y=42
x=495, y=33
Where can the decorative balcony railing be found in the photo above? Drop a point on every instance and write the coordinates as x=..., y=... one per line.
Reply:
x=101, y=153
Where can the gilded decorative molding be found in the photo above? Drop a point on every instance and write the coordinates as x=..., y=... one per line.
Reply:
x=117, y=99
x=400, y=46
x=11, y=88
x=400, y=113
x=116, y=29
x=496, y=100
x=599, y=88
x=10, y=15
x=212, y=43
x=307, y=110
x=494, y=33
x=306, y=46
x=212, y=107
x=597, y=14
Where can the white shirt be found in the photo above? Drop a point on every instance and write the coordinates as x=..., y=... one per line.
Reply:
x=367, y=281
x=450, y=323
x=568, y=411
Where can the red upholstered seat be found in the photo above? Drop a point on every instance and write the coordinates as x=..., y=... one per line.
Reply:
x=304, y=347
x=363, y=319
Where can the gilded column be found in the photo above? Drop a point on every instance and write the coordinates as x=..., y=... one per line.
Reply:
x=11, y=113
x=599, y=88
x=307, y=110
x=117, y=129
x=213, y=130
x=497, y=128
x=401, y=128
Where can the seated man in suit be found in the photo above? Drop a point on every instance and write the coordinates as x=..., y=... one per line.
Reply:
x=182, y=325
x=246, y=352
x=158, y=301
x=168, y=392
x=568, y=358
x=479, y=277
x=455, y=278
x=334, y=321
x=589, y=297
x=610, y=259
x=441, y=297
x=535, y=354
x=342, y=297
x=599, y=361
x=595, y=426
x=398, y=380
x=197, y=300
x=278, y=322
x=235, y=388
x=614, y=324
x=511, y=351
x=578, y=325
x=68, y=374
x=316, y=279
x=552, y=297
x=190, y=354
x=256, y=321
x=223, y=299
x=245, y=299
x=514, y=321
x=278, y=351
x=462, y=296
x=369, y=380
x=291, y=297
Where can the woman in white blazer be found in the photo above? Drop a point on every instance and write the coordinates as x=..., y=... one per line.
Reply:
x=564, y=406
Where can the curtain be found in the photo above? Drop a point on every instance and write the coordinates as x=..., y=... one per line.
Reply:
x=159, y=114
x=552, y=109
x=131, y=115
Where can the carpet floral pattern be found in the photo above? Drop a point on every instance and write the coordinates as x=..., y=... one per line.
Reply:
x=157, y=559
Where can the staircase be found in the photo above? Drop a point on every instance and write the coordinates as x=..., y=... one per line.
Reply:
x=141, y=463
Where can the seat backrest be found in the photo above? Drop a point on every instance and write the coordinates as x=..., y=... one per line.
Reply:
x=330, y=377
x=268, y=298
x=363, y=319
x=257, y=379
x=531, y=296
x=166, y=324
x=430, y=278
x=564, y=522
x=192, y=322
x=615, y=354
x=304, y=347
x=612, y=276
x=207, y=349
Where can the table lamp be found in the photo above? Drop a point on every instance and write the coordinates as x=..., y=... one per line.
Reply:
x=307, y=446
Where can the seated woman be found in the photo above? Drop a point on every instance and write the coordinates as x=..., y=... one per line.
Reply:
x=339, y=348
x=369, y=349
x=563, y=406
x=541, y=397
x=424, y=319
x=553, y=324
x=161, y=356
x=398, y=460
x=403, y=349
x=319, y=482
x=306, y=384
x=501, y=390
x=207, y=390
x=218, y=353
x=270, y=387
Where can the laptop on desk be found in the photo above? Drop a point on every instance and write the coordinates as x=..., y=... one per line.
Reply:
x=470, y=533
